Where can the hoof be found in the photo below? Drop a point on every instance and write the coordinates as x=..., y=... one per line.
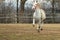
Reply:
x=33, y=25
x=41, y=29
x=38, y=30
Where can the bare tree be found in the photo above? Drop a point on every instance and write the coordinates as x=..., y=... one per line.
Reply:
x=7, y=13
x=22, y=6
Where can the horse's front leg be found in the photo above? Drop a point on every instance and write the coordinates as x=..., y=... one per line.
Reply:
x=33, y=22
x=39, y=25
x=41, y=28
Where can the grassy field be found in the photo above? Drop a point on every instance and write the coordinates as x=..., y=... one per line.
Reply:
x=28, y=32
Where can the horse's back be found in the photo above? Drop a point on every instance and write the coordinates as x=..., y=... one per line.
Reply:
x=43, y=14
x=39, y=14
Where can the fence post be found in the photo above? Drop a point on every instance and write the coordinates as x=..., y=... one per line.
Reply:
x=17, y=12
x=53, y=15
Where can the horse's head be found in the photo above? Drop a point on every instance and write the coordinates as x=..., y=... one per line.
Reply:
x=36, y=5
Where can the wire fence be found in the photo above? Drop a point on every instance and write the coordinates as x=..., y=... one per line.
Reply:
x=12, y=13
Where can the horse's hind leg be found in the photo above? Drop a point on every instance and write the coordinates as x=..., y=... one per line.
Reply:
x=33, y=22
x=38, y=28
x=39, y=25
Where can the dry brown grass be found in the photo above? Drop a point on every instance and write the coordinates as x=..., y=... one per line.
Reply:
x=28, y=32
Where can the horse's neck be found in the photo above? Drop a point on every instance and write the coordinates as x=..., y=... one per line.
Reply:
x=38, y=10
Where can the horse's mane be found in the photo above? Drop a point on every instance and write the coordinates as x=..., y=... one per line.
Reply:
x=38, y=4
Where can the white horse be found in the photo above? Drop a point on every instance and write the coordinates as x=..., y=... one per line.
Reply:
x=39, y=15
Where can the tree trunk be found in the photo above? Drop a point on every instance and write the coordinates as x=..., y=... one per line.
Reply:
x=53, y=15
x=22, y=6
